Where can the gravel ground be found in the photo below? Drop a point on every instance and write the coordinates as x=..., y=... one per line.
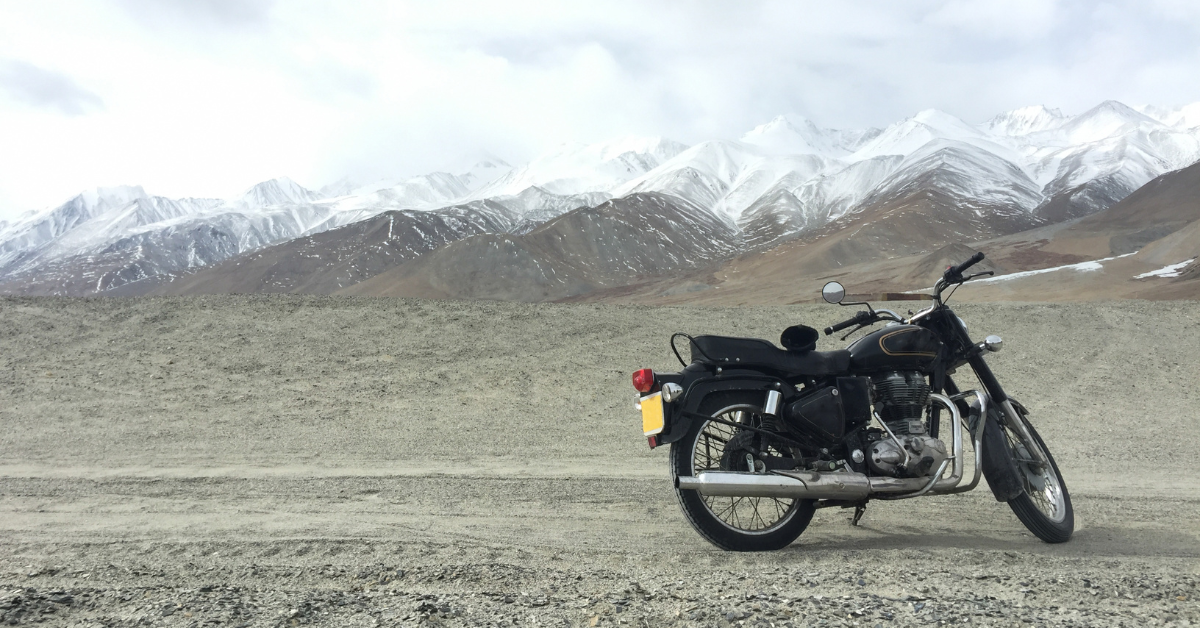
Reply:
x=282, y=461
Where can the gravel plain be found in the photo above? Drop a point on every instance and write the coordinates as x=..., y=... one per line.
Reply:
x=288, y=461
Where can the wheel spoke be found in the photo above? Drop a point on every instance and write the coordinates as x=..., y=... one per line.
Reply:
x=1049, y=500
x=757, y=514
x=740, y=513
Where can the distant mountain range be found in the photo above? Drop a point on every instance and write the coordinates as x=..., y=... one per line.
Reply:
x=586, y=219
x=1145, y=246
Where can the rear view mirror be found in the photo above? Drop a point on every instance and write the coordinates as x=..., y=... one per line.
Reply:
x=833, y=292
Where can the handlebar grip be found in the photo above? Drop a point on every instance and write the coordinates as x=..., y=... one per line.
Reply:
x=858, y=318
x=958, y=270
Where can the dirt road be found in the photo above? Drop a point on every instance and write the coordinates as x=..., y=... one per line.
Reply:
x=278, y=461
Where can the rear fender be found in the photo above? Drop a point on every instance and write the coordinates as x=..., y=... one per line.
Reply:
x=683, y=412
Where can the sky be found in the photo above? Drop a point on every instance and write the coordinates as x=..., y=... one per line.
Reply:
x=208, y=97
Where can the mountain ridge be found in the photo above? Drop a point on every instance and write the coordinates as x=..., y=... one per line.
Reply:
x=785, y=179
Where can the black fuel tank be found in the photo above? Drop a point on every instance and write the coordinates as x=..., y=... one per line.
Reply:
x=896, y=348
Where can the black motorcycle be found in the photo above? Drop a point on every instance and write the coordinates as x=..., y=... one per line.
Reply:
x=761, y=436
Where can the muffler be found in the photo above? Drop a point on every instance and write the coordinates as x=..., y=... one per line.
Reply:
x=841, y=486
x=780, y=484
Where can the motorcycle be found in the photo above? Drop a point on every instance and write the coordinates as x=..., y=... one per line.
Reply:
x=760, y=437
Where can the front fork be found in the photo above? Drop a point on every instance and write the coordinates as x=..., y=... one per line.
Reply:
x=1008, y=412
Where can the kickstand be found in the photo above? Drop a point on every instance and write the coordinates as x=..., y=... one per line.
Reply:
x=859, y=510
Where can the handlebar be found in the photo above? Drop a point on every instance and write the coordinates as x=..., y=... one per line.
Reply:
x=858, y=319
x=954, y=272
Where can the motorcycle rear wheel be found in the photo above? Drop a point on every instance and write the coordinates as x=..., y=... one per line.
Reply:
x=1044, y=505
x=739, y=524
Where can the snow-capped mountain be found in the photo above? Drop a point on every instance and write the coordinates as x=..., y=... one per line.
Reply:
x=799, y=136
x=977, y=177
x=579, y=252
x=1024, y=121
x=790, y=208
x=725, y=176
x=1096, y=158
x=104, y=238
x=478, y=169
x=702, y=174
x=583, y=168
x=1184, y=117
x=783, y=179
x=786, y=176
x=427, y=191
x=107, y=237
x=1062, y=166
x=37, y=229
x=281, y=191
x=96, y=216
x=535, y=206
x=325, y=262
x=909, y=135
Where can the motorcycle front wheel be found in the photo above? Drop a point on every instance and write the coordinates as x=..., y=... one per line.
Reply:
x=739, y=524
x=1044, y=505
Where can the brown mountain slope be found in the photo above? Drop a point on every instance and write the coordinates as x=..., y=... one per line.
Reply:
x=1155, y=227
x=928, y=269
x=325, y=262
x=914, y=223
x=1083, y=200
x=1178, y=246
x=1155, y=210
x=614, y=244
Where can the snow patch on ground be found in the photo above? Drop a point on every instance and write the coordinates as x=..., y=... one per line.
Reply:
x=1080, y=267
x=1166, y=271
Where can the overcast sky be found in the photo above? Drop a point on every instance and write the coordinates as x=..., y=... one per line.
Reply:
x=207, y=97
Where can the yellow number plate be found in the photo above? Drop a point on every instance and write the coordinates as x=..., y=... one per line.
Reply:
x=652, y=414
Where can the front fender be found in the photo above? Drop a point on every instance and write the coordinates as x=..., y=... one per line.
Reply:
x=998, y=465
x=683, y=412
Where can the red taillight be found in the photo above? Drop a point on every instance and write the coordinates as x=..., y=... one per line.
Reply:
x=643, y=380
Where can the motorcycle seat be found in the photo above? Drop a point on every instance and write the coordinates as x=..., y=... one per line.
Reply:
x=757, y=353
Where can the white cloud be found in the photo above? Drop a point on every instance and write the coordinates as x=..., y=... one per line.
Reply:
x=998, y=20
x=209, y=97
x=28, y=84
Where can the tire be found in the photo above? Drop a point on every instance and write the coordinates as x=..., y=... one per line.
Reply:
x=1044, y=505
x=738, y=524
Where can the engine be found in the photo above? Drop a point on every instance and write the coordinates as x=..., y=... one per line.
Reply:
x=901, y=400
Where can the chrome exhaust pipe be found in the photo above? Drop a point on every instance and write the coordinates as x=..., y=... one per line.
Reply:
x=844, y=486
x=780, y=484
